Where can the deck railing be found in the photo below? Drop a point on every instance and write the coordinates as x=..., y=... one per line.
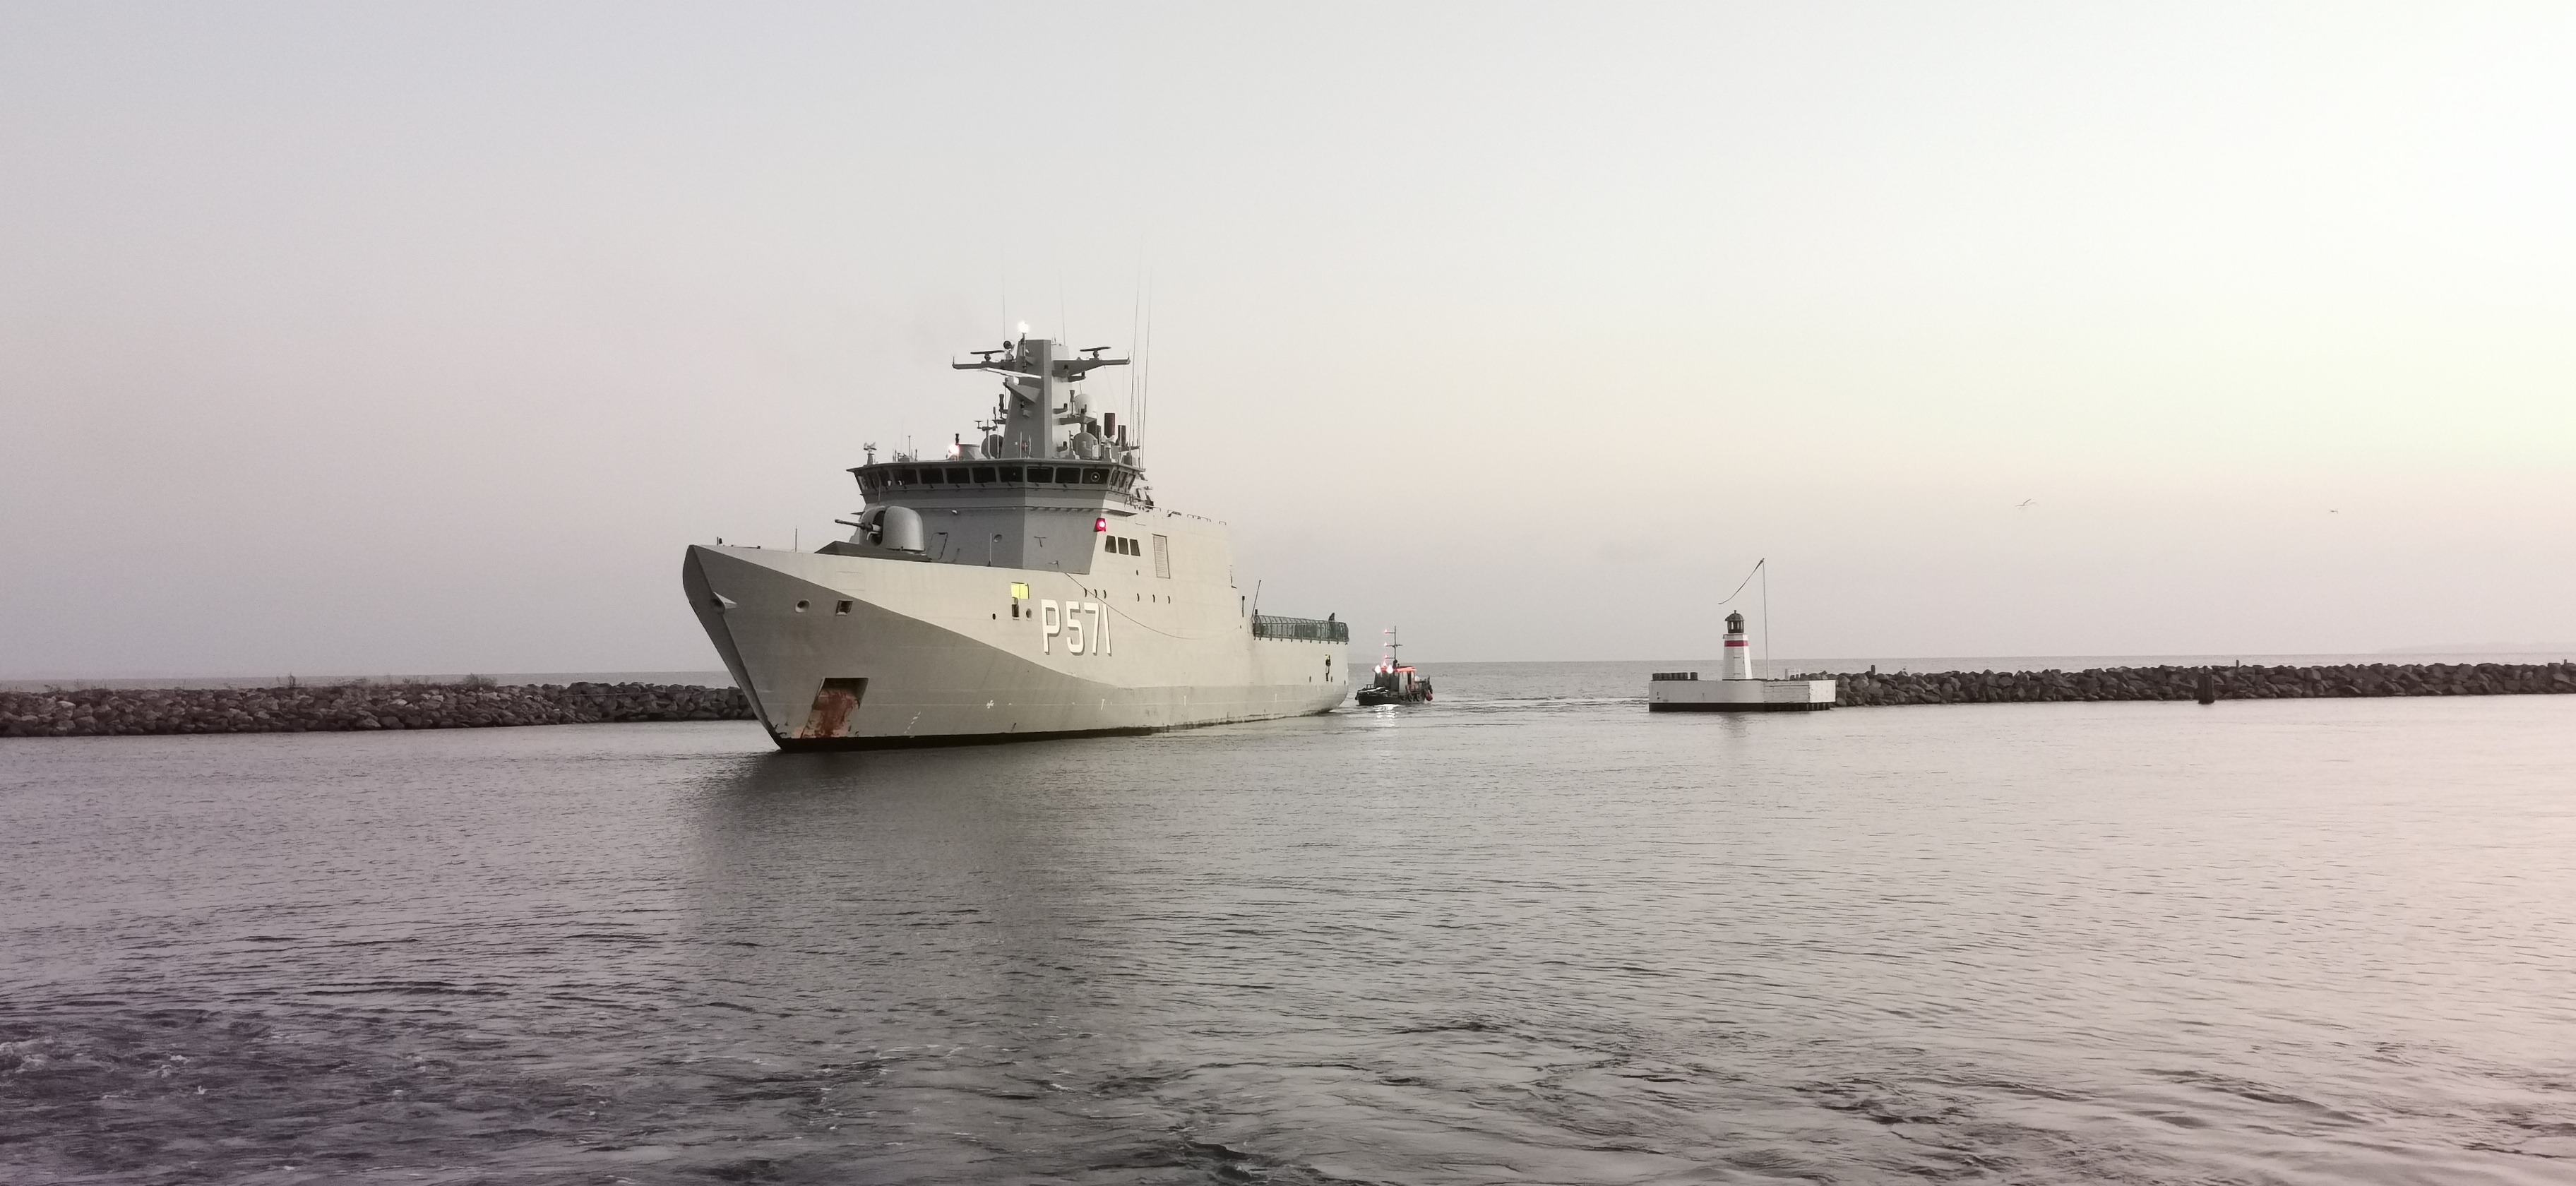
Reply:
x=1302, y=629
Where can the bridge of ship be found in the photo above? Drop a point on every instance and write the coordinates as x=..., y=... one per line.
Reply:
x=907, y=477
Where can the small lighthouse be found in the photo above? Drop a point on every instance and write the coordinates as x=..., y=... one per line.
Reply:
x=1739, y=655
x=1735, y=689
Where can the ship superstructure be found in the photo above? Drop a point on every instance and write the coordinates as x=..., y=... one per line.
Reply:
x=1025, y=584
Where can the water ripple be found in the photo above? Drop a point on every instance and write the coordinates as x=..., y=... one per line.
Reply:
x=1533, y=935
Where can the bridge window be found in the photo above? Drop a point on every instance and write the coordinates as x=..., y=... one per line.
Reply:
x=906, y=476
x=983, y=473
x=1011, y=473
x=930, y=476
x=957, y=475
x=1095, y=477
x=1041, y=473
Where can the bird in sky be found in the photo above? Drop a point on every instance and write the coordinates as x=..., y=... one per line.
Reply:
x=2024, y=504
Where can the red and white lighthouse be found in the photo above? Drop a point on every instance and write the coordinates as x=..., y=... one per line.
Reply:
x=1739, y=655
x=1735, y=689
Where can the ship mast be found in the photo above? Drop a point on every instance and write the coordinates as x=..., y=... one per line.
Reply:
x=1041, y=414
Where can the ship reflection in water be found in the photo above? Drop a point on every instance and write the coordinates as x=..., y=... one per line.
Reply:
x=1535, y=934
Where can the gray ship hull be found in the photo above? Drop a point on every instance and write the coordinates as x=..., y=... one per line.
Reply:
x=860, y=651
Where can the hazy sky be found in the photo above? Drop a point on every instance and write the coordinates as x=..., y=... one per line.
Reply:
x=364, y=338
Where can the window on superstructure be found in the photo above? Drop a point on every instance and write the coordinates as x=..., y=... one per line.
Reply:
x=906, y=476
x=1095, y=477
x=1012, y=473
x=930, y=476
x=957, y=475
x=1041, y=473
x=983, y=473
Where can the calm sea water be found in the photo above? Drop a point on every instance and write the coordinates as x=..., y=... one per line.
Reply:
x=1526, y=677
x=1527, y=933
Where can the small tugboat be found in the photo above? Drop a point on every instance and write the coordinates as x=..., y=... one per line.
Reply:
x=1394, y=682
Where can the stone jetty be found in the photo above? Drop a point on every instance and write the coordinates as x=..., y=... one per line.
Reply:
x=104, y=712
x=2185, y=683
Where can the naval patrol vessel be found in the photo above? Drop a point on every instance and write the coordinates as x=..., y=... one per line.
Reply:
x=1025, y=585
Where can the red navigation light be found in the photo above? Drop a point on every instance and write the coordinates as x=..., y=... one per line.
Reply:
x=1100, y=524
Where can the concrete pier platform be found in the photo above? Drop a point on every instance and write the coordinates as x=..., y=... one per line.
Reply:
x=1693, y=694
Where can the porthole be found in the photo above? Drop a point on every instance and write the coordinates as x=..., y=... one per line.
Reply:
x=801, y=606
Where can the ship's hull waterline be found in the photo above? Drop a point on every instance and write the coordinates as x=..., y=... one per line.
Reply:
x=863, y=652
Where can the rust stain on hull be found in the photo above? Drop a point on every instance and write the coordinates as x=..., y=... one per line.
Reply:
x=834, y=704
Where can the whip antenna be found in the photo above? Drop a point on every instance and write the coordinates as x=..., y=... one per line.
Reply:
x=1145, y=365
x=1135, y=368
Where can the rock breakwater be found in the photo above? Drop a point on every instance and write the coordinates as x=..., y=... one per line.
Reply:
x=2184, y=683
x=107, y=712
